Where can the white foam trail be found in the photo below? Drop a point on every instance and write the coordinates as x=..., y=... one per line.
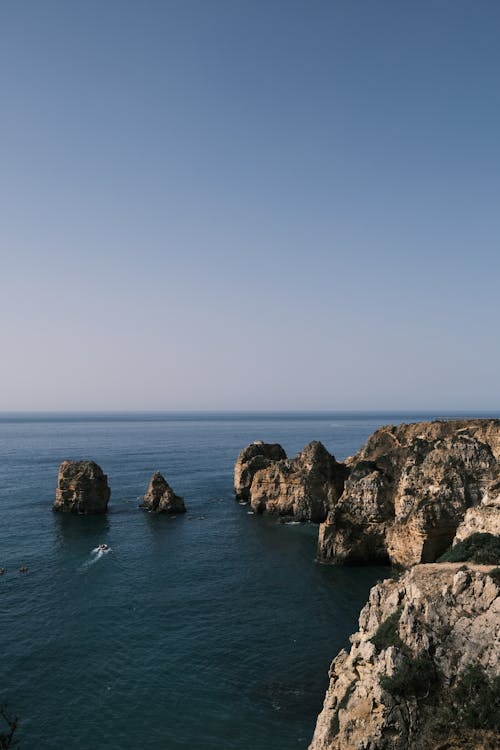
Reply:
x=96, y=555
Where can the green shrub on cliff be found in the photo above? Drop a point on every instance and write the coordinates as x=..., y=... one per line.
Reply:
x=483, y=549
x=495, y=574
x=387, y=633
x=414, y=679
x=476, y=699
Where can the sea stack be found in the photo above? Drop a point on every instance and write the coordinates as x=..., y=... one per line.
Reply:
x=160, y=497
x=303, y=488
x=82, y=487
x=256, y=456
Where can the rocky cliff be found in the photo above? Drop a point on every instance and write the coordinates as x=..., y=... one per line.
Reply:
x=303, y=488
x=408, y=490
x=423, y=669
x=82, y=487
x=160, y=497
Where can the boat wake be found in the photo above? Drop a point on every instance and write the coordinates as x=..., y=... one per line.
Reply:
x=96, y=554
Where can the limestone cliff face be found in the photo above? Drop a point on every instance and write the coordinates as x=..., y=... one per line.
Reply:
x=409, y=488
x=82, y=487
x=303, y=488
x=160, y=497
x=420, y=635
x=258, y=455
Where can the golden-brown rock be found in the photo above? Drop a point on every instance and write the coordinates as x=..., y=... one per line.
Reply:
x=82, y=487
x=409, y=488
x=258, y=455
x=160, y=497
x=303, y=488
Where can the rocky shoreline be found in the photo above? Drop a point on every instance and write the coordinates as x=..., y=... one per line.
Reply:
x=423, y=669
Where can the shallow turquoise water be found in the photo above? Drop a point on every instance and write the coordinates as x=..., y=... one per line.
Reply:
x=212, y=630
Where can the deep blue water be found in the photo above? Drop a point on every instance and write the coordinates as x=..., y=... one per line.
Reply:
x=212, y=630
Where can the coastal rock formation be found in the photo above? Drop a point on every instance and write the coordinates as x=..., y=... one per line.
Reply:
x=484, y=518
x=421, y=670
x=409, y=488
x=82, y=487
x=303, y=488
x=160, y=498
x=258, y=455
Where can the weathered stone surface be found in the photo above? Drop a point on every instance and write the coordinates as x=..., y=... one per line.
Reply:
x=450, y=614
x=82, y=487
x=160, y=498
x=409, y=488
x=303, y=488
x=484, y=518
x=258, y=455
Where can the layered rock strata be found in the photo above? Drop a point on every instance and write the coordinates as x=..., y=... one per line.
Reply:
x=424, y=641
x=303, y=488
x=82, y=487
x=408, y=489
x=160, y=497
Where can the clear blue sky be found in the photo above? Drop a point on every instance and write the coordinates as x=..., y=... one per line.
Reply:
x=250, y=204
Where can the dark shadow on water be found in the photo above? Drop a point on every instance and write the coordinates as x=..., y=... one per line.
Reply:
x=159, y=523
x=72, y=529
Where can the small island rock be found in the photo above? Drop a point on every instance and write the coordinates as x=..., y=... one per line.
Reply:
x=82, y=487
x=160, y=498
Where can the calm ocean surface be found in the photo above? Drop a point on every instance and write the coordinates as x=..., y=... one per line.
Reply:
x=212, y=630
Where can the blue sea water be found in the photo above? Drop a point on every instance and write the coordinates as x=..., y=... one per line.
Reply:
x=211, y=630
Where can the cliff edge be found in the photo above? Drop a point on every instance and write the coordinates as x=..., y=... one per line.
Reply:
x=422, y=671
x=408, y=490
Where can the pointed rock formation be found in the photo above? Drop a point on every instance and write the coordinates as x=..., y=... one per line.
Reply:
x=409, y=488
x=82, y=487
x=258, y=455
x=160, y=498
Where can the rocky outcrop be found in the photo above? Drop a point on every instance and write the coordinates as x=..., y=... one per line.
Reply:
x=409, y=488
x=484, y=518
x=160, y=497
x=422, y=668
x=258, y=455
x=303, y=488
x=82, y=487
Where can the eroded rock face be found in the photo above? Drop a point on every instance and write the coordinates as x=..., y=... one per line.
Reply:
x=442, y=611
x=160, y=497
x=484, y=518
x=303, y=488
x=409, y=488
x=82, y=487
x=258, y=455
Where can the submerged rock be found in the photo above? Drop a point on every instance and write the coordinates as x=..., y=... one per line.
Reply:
x=256, y=456
x=82, y=487
x=303, y=488
x=160, y=498
x=409, y=488
x=422, y=667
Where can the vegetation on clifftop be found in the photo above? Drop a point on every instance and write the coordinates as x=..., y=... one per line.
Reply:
x=482, y=549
